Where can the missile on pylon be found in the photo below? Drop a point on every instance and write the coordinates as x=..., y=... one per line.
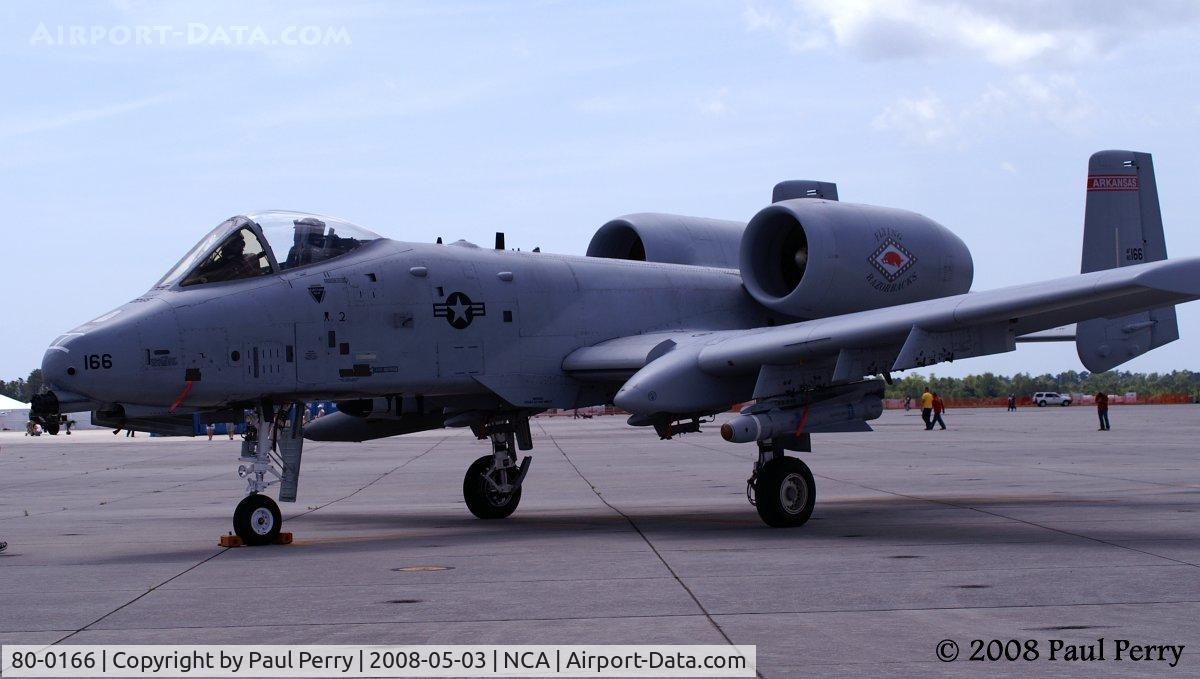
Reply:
x=779, y=422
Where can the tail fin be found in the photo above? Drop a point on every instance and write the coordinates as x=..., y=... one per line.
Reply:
x=1122, y=226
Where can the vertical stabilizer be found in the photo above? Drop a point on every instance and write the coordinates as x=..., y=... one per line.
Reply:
x=1122, y=226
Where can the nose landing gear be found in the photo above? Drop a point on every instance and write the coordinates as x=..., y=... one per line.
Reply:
x=257, y=519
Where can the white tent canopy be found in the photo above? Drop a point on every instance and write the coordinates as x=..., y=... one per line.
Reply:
x=7, y=403
x=13, y=414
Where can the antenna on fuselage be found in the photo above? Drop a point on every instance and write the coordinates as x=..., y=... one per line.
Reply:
x=499, y=240
x=439, y=240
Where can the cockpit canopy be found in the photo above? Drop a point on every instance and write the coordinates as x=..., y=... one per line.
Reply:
x=250, y=246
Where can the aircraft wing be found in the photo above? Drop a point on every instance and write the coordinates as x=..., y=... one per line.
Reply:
x=847, y=347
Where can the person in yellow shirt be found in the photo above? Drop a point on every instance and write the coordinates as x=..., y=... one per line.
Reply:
x=927, y=408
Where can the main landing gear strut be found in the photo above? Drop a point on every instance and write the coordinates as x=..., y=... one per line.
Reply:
x=781, y=487
x=492, y=484
x=270, y=455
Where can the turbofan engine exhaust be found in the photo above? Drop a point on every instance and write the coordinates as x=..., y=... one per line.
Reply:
x=781, y=422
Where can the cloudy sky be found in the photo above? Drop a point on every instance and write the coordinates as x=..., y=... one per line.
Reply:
x=129, y=129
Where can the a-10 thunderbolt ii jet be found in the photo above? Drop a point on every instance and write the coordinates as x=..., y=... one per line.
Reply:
x=804, y=312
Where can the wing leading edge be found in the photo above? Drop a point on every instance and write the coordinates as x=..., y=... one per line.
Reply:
x=895, y=338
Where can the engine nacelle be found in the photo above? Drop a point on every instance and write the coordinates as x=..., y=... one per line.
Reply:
x=670, y=239
x=811, y=258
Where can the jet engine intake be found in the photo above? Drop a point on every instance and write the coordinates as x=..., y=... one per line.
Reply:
x=670, y=239
x=811, y=258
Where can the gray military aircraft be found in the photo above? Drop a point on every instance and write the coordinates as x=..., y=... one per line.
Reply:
x=804, y=312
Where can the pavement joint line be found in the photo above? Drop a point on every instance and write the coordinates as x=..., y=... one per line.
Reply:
x=224, y=550
x=638, y=530
x=372, y=482
x=139, y=597
x=429, y=584
x=1019, y=520
x=994, y=513
x=733, y=614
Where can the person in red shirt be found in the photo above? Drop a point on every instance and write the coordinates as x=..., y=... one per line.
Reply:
x=1102, y=410
x=939, y=407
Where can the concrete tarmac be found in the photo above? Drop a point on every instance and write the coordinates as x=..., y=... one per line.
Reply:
x=1027, y=525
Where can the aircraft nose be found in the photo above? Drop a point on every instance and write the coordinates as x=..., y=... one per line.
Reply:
x=105, y=360
x=56, y=365
x=76, y=362
x=59, y=373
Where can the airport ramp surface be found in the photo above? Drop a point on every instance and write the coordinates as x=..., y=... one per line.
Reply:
x=1027, y=525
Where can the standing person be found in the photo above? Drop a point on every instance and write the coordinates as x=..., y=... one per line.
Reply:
x=1102, y=410
x=211, y=429
x=907, y=403
x=939, y=407
x=129, y=433
x=1012, y=403
x=927, y=408
x=230, y=428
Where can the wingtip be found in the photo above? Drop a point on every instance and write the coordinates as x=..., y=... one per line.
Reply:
x=1180, y=276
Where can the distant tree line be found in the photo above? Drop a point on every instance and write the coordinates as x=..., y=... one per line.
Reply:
x=989, y=385
x=23, y=389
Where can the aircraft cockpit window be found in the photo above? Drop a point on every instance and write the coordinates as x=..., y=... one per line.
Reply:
x=245, y=247
x=241, y=255
x=300, y=239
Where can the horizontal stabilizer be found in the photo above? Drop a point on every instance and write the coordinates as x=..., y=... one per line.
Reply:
x=1063, y=333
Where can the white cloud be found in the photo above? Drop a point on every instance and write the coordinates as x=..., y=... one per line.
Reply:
x=800, y=34
x=716, y=104
x=1004, y=33
x=759, y=17
x=16, y=127
x=925, y=120
x=928, y=120
x=1008, y=167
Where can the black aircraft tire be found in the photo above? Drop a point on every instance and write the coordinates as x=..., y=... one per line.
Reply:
x=481, y=499
x=257, y=520
x=785, y=493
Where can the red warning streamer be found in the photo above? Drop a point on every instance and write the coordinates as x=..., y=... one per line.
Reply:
x=803, y=420
x=187, y=387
